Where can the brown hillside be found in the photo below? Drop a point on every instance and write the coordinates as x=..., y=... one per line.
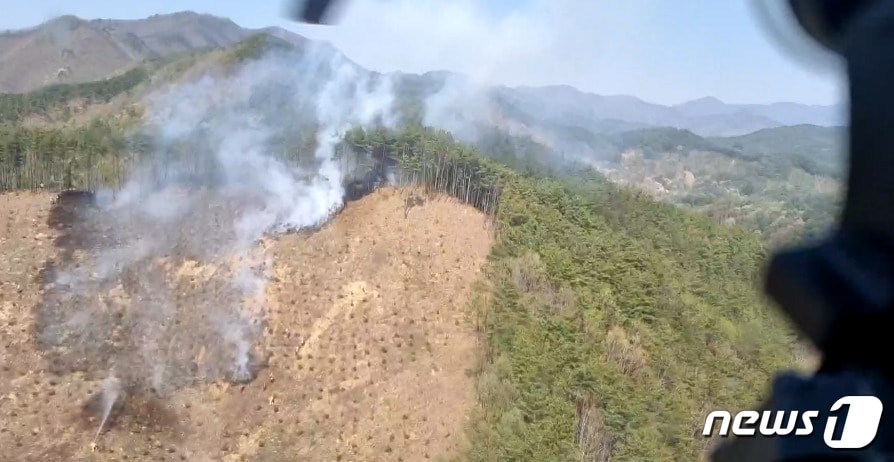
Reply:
x=70, y=49
x=369, y=345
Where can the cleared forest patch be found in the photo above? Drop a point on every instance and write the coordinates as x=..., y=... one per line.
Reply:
x=367, y=347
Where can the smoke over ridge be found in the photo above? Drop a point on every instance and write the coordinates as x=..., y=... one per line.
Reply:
x=167, y=286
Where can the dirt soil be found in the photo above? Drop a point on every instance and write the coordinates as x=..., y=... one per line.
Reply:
x=369, y=342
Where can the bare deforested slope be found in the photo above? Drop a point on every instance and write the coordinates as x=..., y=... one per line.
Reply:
x=368, y=348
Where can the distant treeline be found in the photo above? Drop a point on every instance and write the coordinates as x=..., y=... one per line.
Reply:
x=99, y=155
x=16, y=106
x=55, y=99
x=766, y=147
x=254, y=47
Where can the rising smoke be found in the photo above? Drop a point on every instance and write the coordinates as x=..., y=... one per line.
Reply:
x=167, y=288
x=166, y=285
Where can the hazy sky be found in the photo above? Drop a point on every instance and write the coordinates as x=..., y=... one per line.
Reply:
x=666, y=51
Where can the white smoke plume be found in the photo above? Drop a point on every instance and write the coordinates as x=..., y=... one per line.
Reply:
x=475, y=113
x=461, y=106
x=168, y=287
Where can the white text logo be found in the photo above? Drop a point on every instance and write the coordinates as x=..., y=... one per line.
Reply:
x=851, y=423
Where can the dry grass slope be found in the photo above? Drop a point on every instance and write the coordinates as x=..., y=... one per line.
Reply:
x=369, y=348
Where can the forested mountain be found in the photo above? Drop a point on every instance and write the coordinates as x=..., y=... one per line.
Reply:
x=784, y=183
x=72, y=50
x=749, y=174
x=818, y=150
x=610, y=322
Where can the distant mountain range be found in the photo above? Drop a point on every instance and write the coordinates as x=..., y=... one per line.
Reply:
x=706, y=116
x=70, y=49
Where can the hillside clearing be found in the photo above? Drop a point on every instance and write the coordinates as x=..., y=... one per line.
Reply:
x=369, y=348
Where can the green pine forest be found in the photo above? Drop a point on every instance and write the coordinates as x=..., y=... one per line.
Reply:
x=610, y=323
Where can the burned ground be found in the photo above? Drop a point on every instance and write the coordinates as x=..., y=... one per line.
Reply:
x=366, y=344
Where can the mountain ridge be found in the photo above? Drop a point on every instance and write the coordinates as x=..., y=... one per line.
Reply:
x=70, y=49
